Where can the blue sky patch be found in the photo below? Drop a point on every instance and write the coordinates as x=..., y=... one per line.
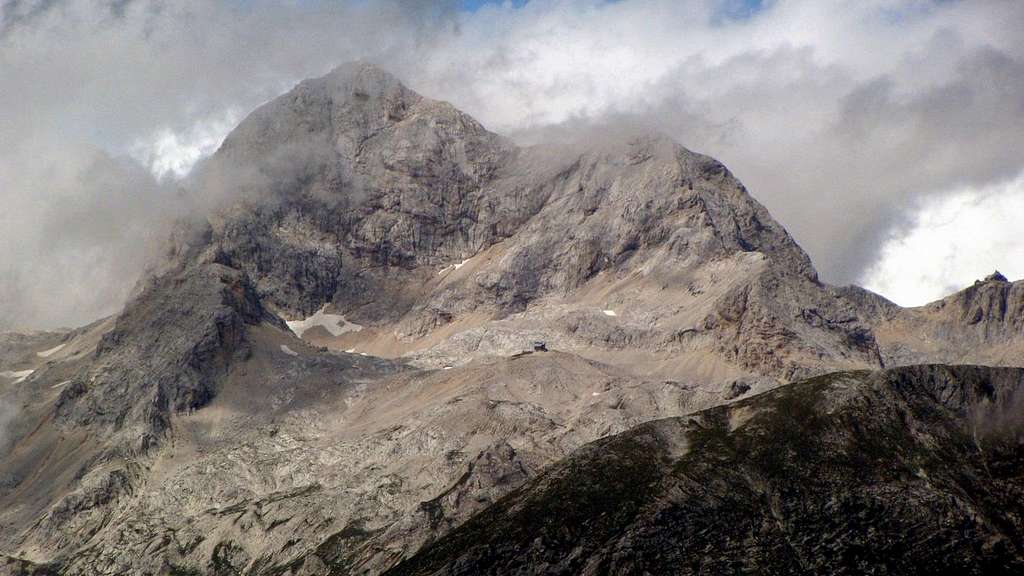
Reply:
x=474, y=5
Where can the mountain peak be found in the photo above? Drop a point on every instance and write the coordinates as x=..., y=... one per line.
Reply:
x=339, y=110
x=355, y=68
x=376, y=188
x=360, y=80
x=995, y=277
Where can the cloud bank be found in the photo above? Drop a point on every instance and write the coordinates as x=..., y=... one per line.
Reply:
x=951, y=243
x=848, y=120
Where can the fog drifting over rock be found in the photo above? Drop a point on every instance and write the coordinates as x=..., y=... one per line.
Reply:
x=847, y=120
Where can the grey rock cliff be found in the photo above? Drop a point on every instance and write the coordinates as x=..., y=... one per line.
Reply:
x=358, y=193
x=983, y=323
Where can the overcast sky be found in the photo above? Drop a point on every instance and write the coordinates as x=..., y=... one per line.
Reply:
x=885, y=135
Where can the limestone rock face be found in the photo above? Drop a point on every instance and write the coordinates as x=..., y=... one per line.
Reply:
x=351, y=173
x=411, y=219
x=422, y=258
x=982, y=324
x=164, y=354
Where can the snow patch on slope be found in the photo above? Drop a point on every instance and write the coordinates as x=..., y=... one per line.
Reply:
x=454, y=266
x=50, y=352
x=335, y=324
x=17, y=376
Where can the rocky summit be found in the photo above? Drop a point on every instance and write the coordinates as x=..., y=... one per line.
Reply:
x=400, y=342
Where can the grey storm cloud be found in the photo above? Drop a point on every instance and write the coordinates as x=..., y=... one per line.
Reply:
x=842, y=118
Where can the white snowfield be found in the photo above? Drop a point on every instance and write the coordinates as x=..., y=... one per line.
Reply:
x=454, y=266
x=17, y=376
x=288, y=351
x=610, y=313
x=335, y=324
x=59, y=384
x=50, y=352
